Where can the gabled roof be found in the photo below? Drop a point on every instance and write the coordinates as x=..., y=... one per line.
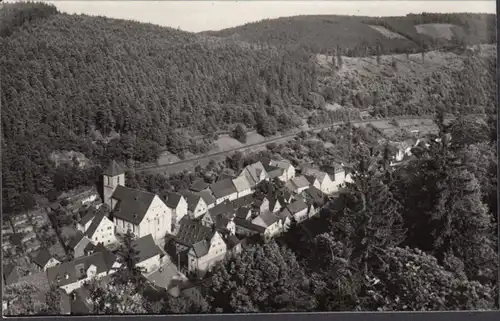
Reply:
x=191, y=199
x=199, y=185
x=241, y=183
x=201, y=248
x=243, y=212
x=207, y=197
x=95, y=224
x=10, y=273
x=146, y=248
x=90, y=214
x=114, y=169
x=283, y=164
x=320, y=175
x=249, y=225
x=284, y=214
x=311, y=179
x=232, y=241
x=223, y=188
x=68, y=272
x=75, y=240
x=132, y=204
x=272, y=203
x=315, y=195
x=173, y=199
x=42, y=258
x=297, y=206
x=266, y=219
x=191, y=232
x=253, y=171
x=226, y=209
x=224, y=176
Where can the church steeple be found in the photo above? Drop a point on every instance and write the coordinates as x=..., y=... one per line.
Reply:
x=113, y=176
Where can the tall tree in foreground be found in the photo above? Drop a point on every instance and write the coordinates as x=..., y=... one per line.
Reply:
x=129, y=272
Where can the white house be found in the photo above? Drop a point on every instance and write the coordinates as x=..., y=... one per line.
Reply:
x=297, y=184
x=338, y=176
x=324, y=182
x=270, y=222
x=178, y=206
x=148, y=254
x=79, y=245
x=113, y=176
x=141, y=212
x=299, y=210
x=288, y=169
x=242, y=186
x=101, y=230
x=196, y=204
x=45, y=260
x=72, y=275
x=255, y=173
x=224, y=190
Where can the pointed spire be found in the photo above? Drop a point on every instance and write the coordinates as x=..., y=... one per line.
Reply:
x=114, y=169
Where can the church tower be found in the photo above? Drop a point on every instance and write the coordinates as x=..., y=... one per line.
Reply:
x=113, y=176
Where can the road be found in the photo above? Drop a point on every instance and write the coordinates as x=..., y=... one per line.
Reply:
x=220, y=156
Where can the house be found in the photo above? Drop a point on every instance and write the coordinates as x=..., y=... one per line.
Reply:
x=244, y=213
x=101, y=230
x=86, y=220
x=233, y=244
x=270, y=222
x=286, y=197
x=224, y=190
x=45, y=260
x=255, y=173
x=313, y=181
x=113, y=177
x=196, y=204
x=199, y=185
x=298, y=209
x=243, y=187
x=141, y=212
x=201, y=247
x=312, y=210
x=261, y=204
x=297, y=184
x=207, y=198
x=74, y=274
x=178, y=206
x=77, y=246
x=148, y=254
x=18, y=219
x=325, y=183
x=313, y=196
x=247, y=228
x=286, y=218
x=275, y=205
x=286, y=166
x=337, y=174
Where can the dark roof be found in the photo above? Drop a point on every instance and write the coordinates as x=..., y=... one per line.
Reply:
x=73, y=242
x=224, y=176
x=42, y=258
x=284, y=214
x=315, y=195
x=88, y=216
x=243, y=201
x=272, y=203
x=191, y=232
x=227, y=209
x=232, y=241
x=207, y=197
x=172, y=199
x=269, y=218
x=275, y=172
x=311, y=178
x=95, y=224
x=132, y=204
x=249, y=225
x=242, y=212
x=146, y=248
x=10, y=274
x=297, y=206
x=199, y=185
x=114, y=169
x=221, y=221
x=69, y=272
x=223, y=188
x=191, y=199
x=201, y=248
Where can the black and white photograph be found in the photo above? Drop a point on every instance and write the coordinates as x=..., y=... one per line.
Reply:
x=238, y=157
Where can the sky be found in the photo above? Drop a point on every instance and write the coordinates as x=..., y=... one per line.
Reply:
x=198, y=16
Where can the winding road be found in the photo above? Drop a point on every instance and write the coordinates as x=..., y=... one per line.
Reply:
x=219, y=156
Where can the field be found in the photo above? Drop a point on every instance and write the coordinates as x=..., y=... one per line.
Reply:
x=438, y=30
x=387, y=33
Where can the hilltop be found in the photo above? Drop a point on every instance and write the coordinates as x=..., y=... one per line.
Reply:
x=116, y=89
x=362, y=36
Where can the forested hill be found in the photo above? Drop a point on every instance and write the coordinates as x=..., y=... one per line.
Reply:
x=358, y=36
x=116, y=89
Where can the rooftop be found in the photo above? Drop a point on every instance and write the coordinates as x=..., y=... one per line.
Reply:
x=199, y=185
x=223, y=188
x=114, y=169
x=132, y=204
x=146, y=248
x=192, y=232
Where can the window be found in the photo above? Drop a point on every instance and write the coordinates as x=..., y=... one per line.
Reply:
x=118, y=179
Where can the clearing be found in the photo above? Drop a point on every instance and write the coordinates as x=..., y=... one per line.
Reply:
x=387, y=33
x=438, y=30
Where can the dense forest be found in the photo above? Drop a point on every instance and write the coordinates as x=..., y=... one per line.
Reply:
x=116, y=89
x=353, y=36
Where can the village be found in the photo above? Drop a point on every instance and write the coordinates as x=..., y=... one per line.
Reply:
x=179, y=237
